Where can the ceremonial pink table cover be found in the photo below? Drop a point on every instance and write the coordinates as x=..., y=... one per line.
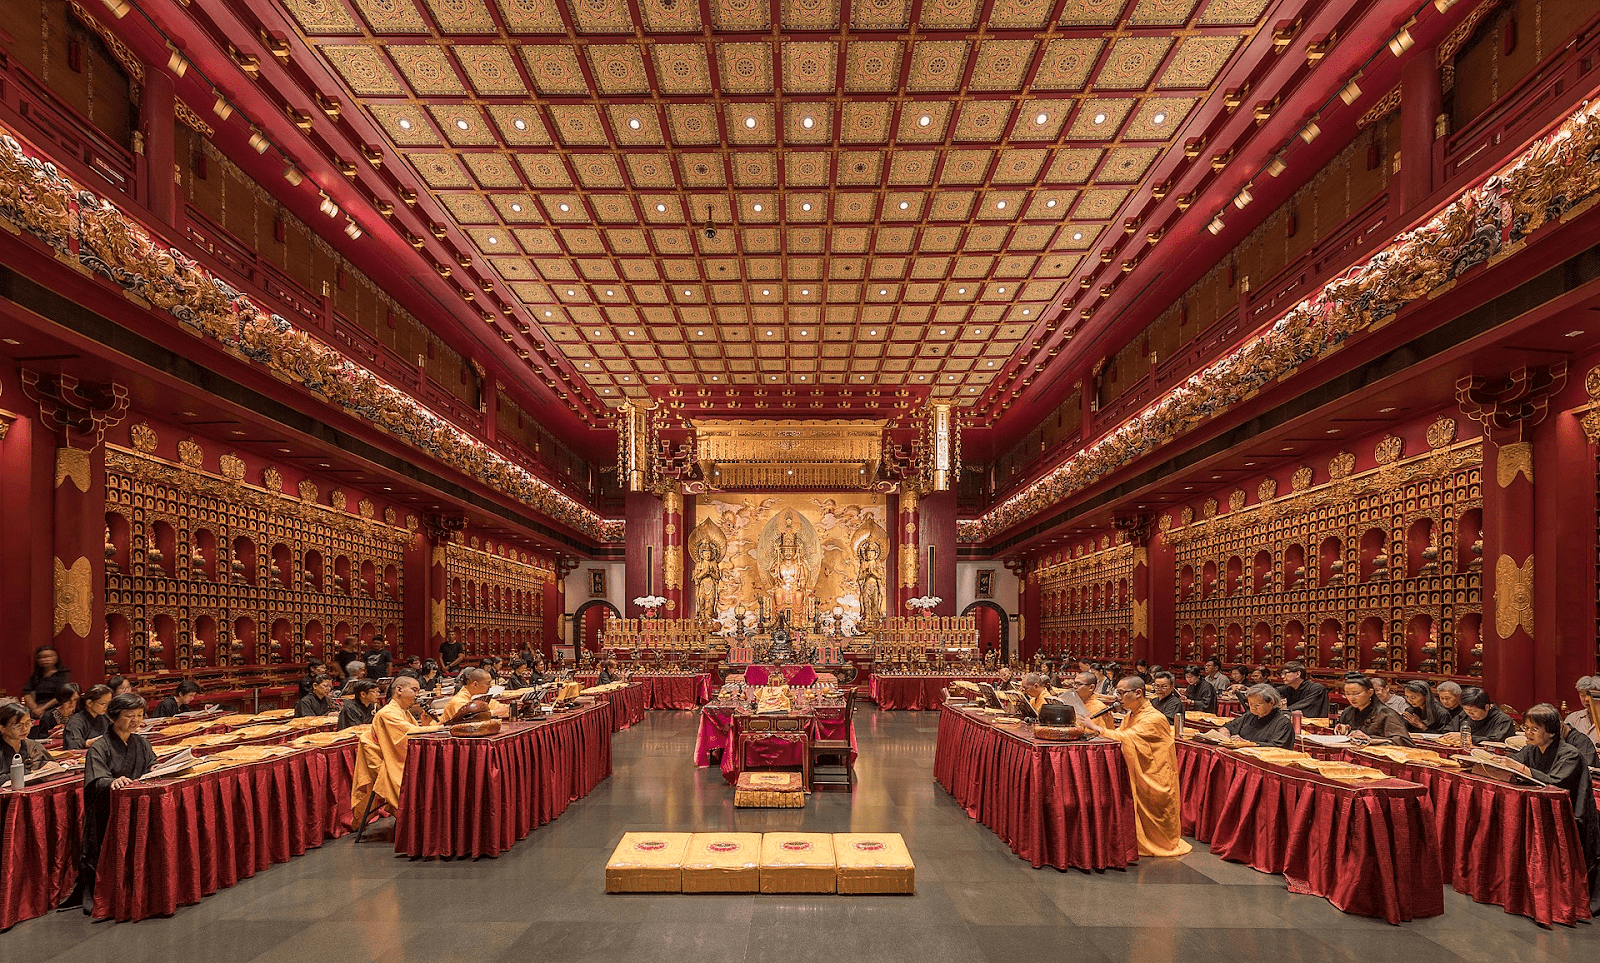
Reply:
x=1514, y=846
x=1368, y=848
x=627, y=705
x=480, y=796
x=720, y=725
x=1066, y=805
x=40, y=830
x=915, y=691
x=172, y=842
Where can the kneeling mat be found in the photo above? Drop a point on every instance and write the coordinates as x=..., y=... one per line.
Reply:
x=723, y=863
x=647, y=863
x=797, y=863
x=873, y=863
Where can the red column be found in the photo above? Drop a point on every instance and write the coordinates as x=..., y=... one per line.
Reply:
x=555, y=608
x=78, y=567
x=415, y=597
x=672, y=555
x=1161, y=577
x=1028, y=605
x=939, y=548
x=438, y=531
x=646, y=530
x=906, y=539
x=1421, y=101
x=157, y=116
x=1510, y=408
x=1564, y=603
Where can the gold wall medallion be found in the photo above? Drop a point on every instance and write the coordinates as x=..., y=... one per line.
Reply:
x=1513, y=596
x=74, y=596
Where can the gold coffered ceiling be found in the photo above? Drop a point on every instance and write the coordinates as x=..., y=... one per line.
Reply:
x=895, y=204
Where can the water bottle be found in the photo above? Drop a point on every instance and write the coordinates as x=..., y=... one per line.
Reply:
x=1466, y=736
x=16, y=772
x=1297, y=718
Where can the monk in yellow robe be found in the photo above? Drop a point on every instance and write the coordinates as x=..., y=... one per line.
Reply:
x=475, y=686
x=1147, y=748
x=381, y=755
x=1084, y=685
x=1035, y=690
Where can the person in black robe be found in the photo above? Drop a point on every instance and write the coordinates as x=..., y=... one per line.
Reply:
x=1484, y=718
x=112, y=763
x=1366, y=718
x=90, y=722
x=451, y=653
x=1164, y=696
x=429, y=678
x=1307, y=695
x=609, y=673
x=42, y=692
x=378, y=658
x=1423, y=712
x=68, y=698
x=1264, y=723
x=360, y=701
x=1200, y=693
x=1449, y=696
x=1577, y=740
x=316, y=702
x=1550, y=760
x=15, y=722
x=178, y=701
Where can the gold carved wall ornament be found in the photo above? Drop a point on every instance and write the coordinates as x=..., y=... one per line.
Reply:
x=366, y=508
x=1301, y=480
x=190, y=454
x=338, y=499
x=1442, y=433
x=1341, y=465
x=672, y=567
x=308, y=490
x=1389, y=449
x=232, y=467
x=1513, y=596
x=436, y=617
x=144, y=438
x=1236, y=499
x=74, y=596
x=272, y=480
x=1141, y=617
x=72, y=464
x=1267, y=490
x=1513, y=460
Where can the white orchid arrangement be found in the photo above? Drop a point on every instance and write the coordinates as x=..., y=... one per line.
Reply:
x=650, y=601
x=925, y=602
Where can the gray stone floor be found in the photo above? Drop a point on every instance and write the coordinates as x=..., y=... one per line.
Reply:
x=975, y=901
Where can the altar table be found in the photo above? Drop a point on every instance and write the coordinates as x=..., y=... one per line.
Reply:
x=480, y=796
x=40, y=830
x=721, y=723
x=1066, y=805
x=171, y=842
x=915, y=691
x=1368, y=848
x=1514, y=846
x=673, y=691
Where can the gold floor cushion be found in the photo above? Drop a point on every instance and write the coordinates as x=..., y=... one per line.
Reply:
x=798, y=863
x=769, y=790
x=874, y=863
x=723, y=863
x=234, y=721
x=647, y=863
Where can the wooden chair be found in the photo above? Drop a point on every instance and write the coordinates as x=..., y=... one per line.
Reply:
x=830, y=763
x=784, y=729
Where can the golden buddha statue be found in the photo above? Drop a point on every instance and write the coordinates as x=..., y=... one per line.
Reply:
x=789, y=574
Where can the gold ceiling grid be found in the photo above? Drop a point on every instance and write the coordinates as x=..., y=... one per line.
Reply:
x=895, y=204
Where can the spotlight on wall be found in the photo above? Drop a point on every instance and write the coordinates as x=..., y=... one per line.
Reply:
x=1276, y=166
x=1351, y=92
x=118, y=8
x=1216, y=225
x=1402, y=41
x=353, y=229
x=328, y=207
x=259, y=142
x=222, y=108
x=1243, y=198
x=1310, y=131
x=177, y=64
x=1443, y=6
x=292, y=175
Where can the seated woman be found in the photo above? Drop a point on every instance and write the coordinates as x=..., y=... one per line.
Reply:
x=1367, y=718
x=609, y=673
x=1264, y=724
x=119, y=685
x=429, y=677
x=360, y=700
x=113, y=762
x=1554, y=762
x=1423, y=712
x=90, y=721
x=48, y=726
x=14, y=725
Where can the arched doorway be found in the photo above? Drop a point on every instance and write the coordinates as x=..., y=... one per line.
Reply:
x=994, y=628
x=587, y=621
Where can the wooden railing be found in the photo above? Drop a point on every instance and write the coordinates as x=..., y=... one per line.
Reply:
x=73, y=140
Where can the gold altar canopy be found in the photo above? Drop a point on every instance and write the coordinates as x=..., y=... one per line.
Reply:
x=789, y=454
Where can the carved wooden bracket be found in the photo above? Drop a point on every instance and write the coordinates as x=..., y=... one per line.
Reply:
x=81, y=412
x=442, y=528
x=1509, y=408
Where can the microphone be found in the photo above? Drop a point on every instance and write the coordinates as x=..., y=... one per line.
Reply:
x=1102, y=712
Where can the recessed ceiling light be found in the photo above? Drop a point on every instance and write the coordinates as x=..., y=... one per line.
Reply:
x=1384, y=411
x=765, y=291
x=802, y=332
x=977, y=331
x=1026, y=312
x=806, y=206
x=1333, y=431
x=1077, y=235
x=961, y=290
x=924, y=120
x=750, y=122
x=1050, y=203
x=1002, y=289
x=563, y=207
x=905, y=205
x=991, y=364
x=517, y=208
x=520, y=124
x=1287, y=449
x=571, y=293
x=713, y=377
x=587, y=364
x=999, y=205
x=605, y=391
x=493, y=239
x=1099, y=118
x=1041, y=119
x=757, y=207
x=873, y=333
x=883, y=290
x=699, y=334
x=405, y=124
x=661, y=208
x=632, y=332
x=688, y=293
x=942, y=331
x=922, y=377
x=461, y=124
x=973, y=390
x=1159, y=118
x=802, y=378
x=769, y=334
x=655, y=377
x=804, y=291
x=808, y=122
x=597, y=332
x=549, y=314
x=1574, y=334
x=284, y=450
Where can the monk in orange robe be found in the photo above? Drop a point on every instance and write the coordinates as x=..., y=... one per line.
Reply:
x=381, y=755
x=1147, y=747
